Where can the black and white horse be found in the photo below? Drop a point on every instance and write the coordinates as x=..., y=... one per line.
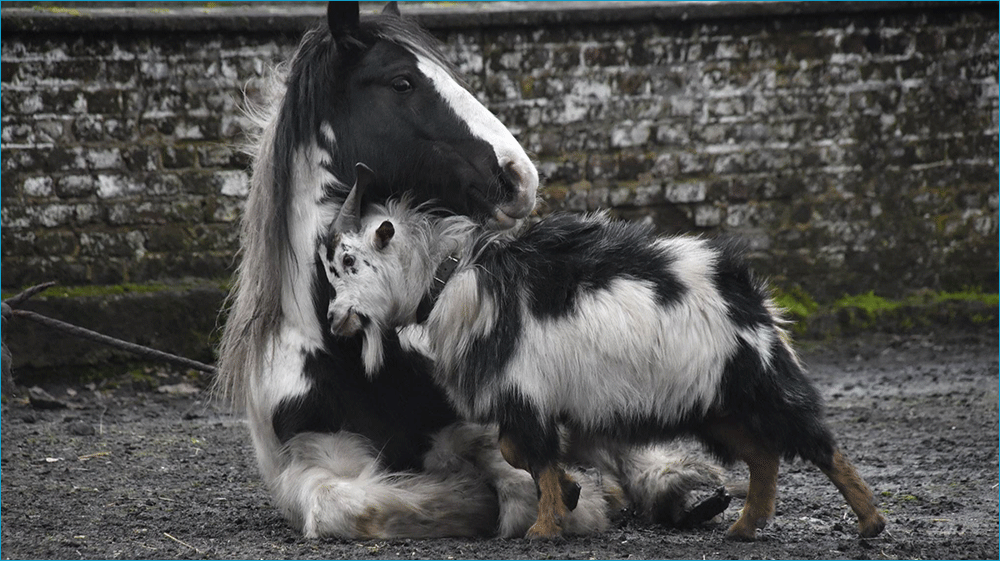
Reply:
x=351, y=455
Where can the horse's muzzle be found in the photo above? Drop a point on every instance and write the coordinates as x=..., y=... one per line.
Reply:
x=523, y=181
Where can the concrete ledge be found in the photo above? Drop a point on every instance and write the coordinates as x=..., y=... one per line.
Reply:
x=297, y=17
x=186, y=322
x=183, y=321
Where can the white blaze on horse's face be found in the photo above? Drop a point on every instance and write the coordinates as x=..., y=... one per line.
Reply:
x=483, y=124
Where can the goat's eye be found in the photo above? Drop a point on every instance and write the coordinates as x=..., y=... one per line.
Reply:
x=402, y=85
x=348, y=261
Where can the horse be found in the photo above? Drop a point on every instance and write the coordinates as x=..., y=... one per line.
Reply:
x=353, y=455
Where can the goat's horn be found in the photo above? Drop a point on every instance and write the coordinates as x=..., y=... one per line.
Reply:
x=349, y=218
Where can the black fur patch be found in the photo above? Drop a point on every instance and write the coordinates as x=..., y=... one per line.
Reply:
x=778, y=405
x=744, y=295
x=397, y=410
x=564, y=256
x=537, y=440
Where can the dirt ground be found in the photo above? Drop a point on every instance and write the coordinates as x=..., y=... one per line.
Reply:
x=145, y=469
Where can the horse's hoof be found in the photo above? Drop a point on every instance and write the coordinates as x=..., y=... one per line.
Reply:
x=872, y=527
x=706, y=509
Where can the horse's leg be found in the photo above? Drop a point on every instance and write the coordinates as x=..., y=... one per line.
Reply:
x=847, y=480
x=657, y=480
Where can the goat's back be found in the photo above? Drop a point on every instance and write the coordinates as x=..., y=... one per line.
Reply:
x=597, y=319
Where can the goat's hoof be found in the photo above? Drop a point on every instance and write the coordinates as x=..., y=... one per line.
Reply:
x=742, y=531
x=871, y=527
x=544, y=531
x=570, y=492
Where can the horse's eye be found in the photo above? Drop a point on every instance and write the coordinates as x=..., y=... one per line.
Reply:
x=402, y=85
x=348, y=261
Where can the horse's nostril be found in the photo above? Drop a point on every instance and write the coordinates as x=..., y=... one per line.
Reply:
x=511, y=174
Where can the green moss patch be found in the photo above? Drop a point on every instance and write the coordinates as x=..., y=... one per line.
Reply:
x=857, y=313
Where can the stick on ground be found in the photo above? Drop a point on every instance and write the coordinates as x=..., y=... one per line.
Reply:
x=84, y=333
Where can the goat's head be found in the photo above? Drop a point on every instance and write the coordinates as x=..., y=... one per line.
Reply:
x=375, y=265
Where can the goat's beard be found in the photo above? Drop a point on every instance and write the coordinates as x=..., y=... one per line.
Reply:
x=372, y=349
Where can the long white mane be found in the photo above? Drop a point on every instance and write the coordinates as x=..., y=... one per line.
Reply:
x=254, y=301
x=268, y=279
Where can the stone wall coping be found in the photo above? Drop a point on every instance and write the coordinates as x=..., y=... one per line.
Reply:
x=297, y=17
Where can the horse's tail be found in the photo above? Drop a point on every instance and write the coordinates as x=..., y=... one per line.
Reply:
x=333, y=485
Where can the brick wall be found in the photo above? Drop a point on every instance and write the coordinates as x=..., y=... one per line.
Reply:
x=853, y=145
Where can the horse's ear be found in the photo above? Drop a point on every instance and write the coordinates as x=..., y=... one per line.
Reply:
x=383, y=234
x=391, y=9
x=342, y=17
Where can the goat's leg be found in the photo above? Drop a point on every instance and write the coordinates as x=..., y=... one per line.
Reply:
x=512, y=453
x=558, y=493
x=552, y=509
x=847, y=480
x=763, y=465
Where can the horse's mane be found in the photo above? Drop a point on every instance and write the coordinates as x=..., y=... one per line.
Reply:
x=288, y=116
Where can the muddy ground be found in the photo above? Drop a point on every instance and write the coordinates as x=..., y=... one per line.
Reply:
x=143, y=469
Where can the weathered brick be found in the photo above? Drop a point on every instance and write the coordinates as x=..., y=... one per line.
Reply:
x=707, y=216
x=811, y=135
x=110, y=244
x=17, y=242
x=178, y=156
x=217, y=156
x=167, y=238
x=141, y=158
x=38, y=187
x=76, y=70
x=685, y=192
x=74, y=186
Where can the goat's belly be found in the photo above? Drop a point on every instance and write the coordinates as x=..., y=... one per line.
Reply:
x=620, y=358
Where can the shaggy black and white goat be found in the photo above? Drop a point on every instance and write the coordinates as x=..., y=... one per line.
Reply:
x=597, y=324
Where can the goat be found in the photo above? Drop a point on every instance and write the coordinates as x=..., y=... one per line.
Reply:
x=597, y=324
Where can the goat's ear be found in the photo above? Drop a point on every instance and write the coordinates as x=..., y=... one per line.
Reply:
x=391, y=9
x=342, y=18
x=383, y=234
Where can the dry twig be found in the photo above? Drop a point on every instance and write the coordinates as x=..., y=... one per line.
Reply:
x=185, y=544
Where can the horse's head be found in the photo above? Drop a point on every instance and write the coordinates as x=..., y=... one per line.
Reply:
x=378, y=90
x=375, y=90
